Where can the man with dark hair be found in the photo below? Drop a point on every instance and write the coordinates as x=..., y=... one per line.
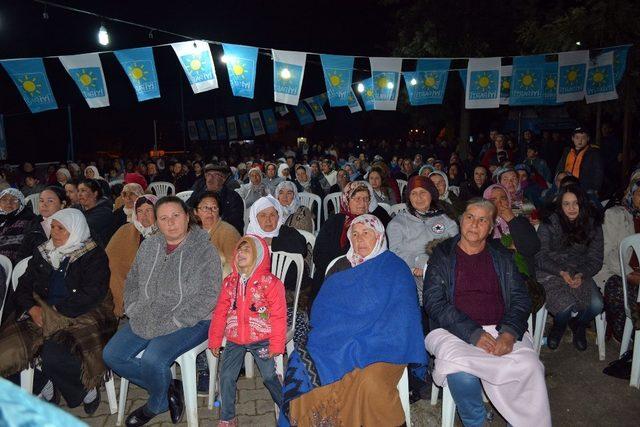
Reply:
x=583, y=161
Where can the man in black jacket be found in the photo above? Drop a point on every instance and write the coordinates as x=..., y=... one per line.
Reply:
x=217, y=178
x=583, y=161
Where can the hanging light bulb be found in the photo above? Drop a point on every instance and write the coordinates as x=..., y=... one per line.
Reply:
x=103, y=36
x=360, y=88
x=413, y=82
x=389, y=85
x=285, y=74
x=228, y=59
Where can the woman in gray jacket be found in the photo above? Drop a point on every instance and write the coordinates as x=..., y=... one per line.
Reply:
x=169, y=295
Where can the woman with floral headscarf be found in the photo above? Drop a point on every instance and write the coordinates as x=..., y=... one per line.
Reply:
x=293, y=213
x=15, y=217
x=332, y=241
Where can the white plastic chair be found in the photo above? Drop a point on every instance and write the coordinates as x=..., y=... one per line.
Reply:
x=5, y=263
x=161, y=188
x=309, y=200
x=401, y=185
x=115, y=182
x=334, y=199
x=184, y=195
x=397, y=208
x=333, y=261
x=187, y=363
x=630, y=243
x=537, y=330
x=601, y=327
x=448, y=407
x=386, y=207
x=34, y=199
x=311, y=241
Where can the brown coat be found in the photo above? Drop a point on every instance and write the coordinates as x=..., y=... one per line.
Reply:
x=121, y=250
x=224, y=237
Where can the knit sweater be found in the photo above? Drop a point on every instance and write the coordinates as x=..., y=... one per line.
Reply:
x=121, y=250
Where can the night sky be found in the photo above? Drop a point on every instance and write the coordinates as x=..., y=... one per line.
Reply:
x=338, y=27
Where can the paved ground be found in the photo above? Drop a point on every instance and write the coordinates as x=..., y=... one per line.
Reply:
x=580, y=395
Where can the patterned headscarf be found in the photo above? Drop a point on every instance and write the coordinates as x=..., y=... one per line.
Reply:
x=18, y=195
x=501, y=228
x=374, y=223
x=347, y=194
x=628, y=200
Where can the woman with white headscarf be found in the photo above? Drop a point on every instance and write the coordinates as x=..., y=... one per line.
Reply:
x=124, y=244
x=306, y=182
x=451, y=202
x=91, y=172
x=293, y=214
x=64, y=314
x=15, y=218
x=254, y=189
x=284, y=172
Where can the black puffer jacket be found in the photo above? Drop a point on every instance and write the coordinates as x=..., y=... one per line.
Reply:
x=439, y=290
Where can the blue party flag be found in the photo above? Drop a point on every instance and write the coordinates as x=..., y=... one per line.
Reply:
x=427, y=84
x=141, y=69
x=221, y=128
x=211, y=127
x=232, y=128
x=241, y=64
x=203, y=134
x=288, y=72
x=270, y=121
x=338, y=71
x=367, y=94
x=30, y=78
x=196, y=61
x=463, y=77
x=304, y=116
x=572, y=75
x=527, y=80
x=601, y=85
x=316, y=108
x=550, y=83
x=483, y=83
x=619, y=60
x=245, y=125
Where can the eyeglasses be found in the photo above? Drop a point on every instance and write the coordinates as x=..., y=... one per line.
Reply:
x=208, y=208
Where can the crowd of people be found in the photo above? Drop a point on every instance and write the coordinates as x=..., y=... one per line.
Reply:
x=442, y=250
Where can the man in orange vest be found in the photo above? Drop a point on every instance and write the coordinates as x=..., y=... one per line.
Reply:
x=583, y=161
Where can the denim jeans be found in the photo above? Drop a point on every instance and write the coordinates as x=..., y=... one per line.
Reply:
x=232, y=359
x=466, y=391
x=596, y=305
x=152, y=370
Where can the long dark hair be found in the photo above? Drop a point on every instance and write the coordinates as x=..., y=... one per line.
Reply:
x=578, y=231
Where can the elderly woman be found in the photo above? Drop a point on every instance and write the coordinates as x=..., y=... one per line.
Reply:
x=478, y=309
x=64, y=314
x=223, y=235
x=97, y=210
x=272, y=179
x=448, y=195
x=123, y=215
x=305, y=182
x=169, y=295
x=123, y=246
x=293, y=214
x=347, y=372
x=381, y=190
x=254, y=189
x=415, y=232
x=63, y=176
x=571, y=255
x=332, y=241
x=284, y=172
x=15, y=218
x=510, y=180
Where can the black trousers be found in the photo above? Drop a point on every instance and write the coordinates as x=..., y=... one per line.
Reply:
x=64, y=369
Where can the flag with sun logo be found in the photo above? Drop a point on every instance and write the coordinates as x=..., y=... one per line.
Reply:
x=241, y=65
x=527, y=80
x=288, y=71
x=304, y=116
x=354, y=105
x=572, y=75
x=483, y=83
x=601, y=81
x=196, y=61
x=427, y=84
x=550, y=87
x=86, y=72
x=270, y=121
x=232, y=129
x=367, y=94
x=619, y=60
x=338, y=71
x=385, y=73
x=141, y=70
x=505, y=84
x=221, y=128
x=315, y=105
x=256, y=123
x=211, y=127
x=30, y=78
x=245, y=125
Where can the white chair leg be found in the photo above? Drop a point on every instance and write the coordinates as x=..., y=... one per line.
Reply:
x=279, y=360
x=626, y=336
x=110, y=386
x=448, y=408
x=124, y=386
x=26, y=380
x=541, y=321
x=290, y=347
x=248, y=365
x=213, y=377
x=434, y=394
x=403, y=389
x=601, y=326
x=634, y=380
x=188, y=373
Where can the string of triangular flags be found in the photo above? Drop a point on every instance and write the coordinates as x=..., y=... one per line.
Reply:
x=530, y=80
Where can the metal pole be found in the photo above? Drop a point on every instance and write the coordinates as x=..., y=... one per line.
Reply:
x=155, y=135
x=70, y=150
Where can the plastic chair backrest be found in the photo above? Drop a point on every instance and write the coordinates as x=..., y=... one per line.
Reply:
x=333, y=261
x=184, y=195
x=397, y=208
x=401, y=185
x=161, y=188
x=308, y=200
x=334, y=198
x=280, y=264
x=5, y=263
x=309, y=237
x=34, y=199
x=18, y=270
x=116, y=182
x=628, y=243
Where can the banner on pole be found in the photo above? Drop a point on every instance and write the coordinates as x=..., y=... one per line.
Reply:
x=241, y=65
x=270, y=121
x=427, y=84
x=196, y=61
x=527, y=80
x=221, y=128
x=304, y=116
x=505, y=84
x=86, y=72
x=288, y=71
x=385, y=73
x=601, y=84
x=316, y=108
x=483, y=83
x=30, y=78
x=572, y=75
x=211, y=127
x=245, y=125
x=338, y=72
x=140, y=67
x=232, y=129
x=256, y=123
x=354, y=105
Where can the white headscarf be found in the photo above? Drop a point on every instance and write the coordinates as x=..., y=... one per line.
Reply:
x=18, y=195
x=145, y=231
x=306, y=184
x=444, y=196
x=281, y=168
x=96, y=174
x=374, y=223
x=75, y=223
x=65, y=172
x=295, y=204
x=261, y=204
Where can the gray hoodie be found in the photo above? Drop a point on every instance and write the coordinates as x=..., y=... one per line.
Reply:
x=164, y=293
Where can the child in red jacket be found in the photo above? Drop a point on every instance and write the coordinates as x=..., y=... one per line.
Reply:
x=251, y=313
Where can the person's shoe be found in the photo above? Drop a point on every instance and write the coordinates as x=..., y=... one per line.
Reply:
x=139, y=417
x=231, y=423
x=555, y=335
x=176, y=401
x=579, y=334
x=91, y=407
